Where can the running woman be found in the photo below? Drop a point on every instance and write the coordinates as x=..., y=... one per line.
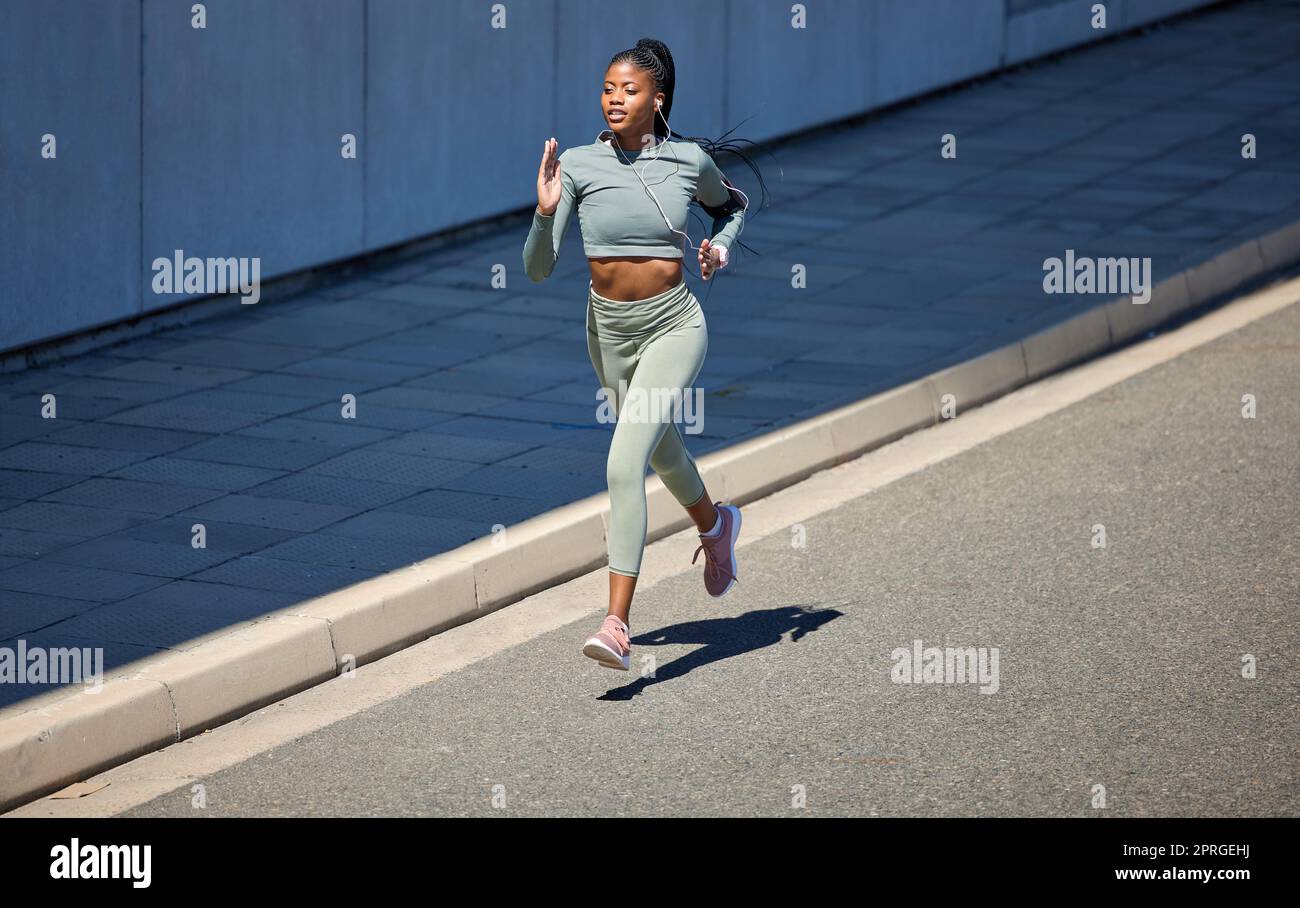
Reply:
x=632, y=188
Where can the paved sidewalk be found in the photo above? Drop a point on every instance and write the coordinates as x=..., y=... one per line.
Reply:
x=476, y=406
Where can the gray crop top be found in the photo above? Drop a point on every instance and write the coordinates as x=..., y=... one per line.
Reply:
x=615, y=214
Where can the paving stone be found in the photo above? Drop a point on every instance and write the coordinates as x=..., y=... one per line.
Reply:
x=576, y=392
x=474, y=508
x=422, y=295
x=177, y=615
x=312, y=388
x=883, y=354
x=378, y=417
x=477, y=382
x=712, y=425
x=349, y=288
x=452, y=447
x=67, y=519
x=75, y=581
x=546, y=485
x=537, y=434
x=341, y=433
x=546, y=412
x=268, y=453
x=26, y=484
x=824, y=373
x=752, y=407
x=361, y=494
x=528, y=371
x=182, y=374
x=474, y=278
x=51, y=458
x=66, y=406
x=95, y=386
x=136, y=556
x=15, y=429
x=266, y=403
x=33, y=543
x=564, y=460
x=187, y=416
x=425, y=472
x=263, y=511
x=14, y=383
x=1254, y=193
x=218, y=535
x=226, y=353
x=352, y=375
x=196, y=473
x=309, y=330
x=401, y=273
x=117, y=437
x=441, y=534
x=440, y=334
x=380, y=313
x=405, y=396
x=378, y=555
x=537, y=306
x=425, y=356
x=22, y=613
x=128, y=495
x=307, y=580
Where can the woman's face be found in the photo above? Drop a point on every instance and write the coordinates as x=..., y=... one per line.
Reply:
x=628, y=104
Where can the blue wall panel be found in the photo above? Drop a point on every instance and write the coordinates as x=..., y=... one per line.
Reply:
x=69, y=226
x=242, y=129
x=452, y=102
x=923, y=45
x=790, y=78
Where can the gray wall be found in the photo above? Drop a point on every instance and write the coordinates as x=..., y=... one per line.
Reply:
x=225, y=141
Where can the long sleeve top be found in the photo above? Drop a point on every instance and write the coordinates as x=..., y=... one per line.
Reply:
x=615, y=213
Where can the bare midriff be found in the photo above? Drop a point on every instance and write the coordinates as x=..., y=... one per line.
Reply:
x=626, y=278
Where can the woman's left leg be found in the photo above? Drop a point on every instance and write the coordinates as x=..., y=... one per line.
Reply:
x=666, y=367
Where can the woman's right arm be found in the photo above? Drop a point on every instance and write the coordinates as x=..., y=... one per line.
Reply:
x=557, y=194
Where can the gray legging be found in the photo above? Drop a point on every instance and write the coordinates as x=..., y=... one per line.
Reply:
x=657, y=346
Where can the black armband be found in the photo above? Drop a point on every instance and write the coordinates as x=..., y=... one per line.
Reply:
x=734, y=203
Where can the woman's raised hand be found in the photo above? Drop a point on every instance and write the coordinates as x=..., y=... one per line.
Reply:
x=548, y=179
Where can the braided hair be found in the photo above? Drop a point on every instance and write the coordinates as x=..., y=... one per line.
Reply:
x=653, y=56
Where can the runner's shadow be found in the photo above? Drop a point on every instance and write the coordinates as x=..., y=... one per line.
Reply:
x=721, y=638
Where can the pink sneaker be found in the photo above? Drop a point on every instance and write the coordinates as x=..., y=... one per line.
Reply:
x=610, y=646
x=720, y=551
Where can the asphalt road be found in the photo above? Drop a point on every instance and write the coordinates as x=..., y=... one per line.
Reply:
x=1118, y=666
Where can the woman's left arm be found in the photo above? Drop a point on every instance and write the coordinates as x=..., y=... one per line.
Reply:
x=712, y=192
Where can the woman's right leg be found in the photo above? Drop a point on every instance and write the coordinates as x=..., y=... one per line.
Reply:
x=612, y=362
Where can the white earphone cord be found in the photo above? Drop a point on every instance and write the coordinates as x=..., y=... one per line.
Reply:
x=725, y=182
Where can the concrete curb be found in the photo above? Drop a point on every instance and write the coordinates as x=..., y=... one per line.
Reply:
x=57, y=738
